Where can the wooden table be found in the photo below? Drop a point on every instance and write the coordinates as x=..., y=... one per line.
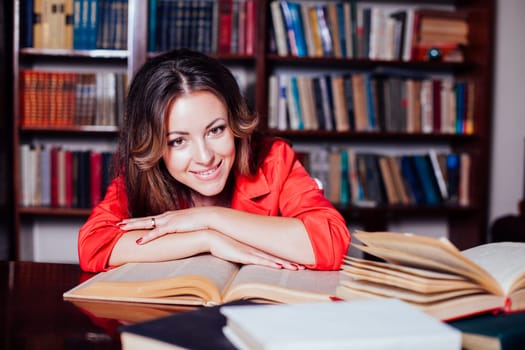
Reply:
x=34, y=315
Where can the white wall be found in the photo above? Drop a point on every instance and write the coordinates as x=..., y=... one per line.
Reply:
x=509, y=110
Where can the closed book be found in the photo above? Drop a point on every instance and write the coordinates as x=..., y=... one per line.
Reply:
x=492, y=331
x=411, y=179
x=279, y=28
x=378, y=324
x=199, y=329
x=324, y=30
x=26, y=28
x=427, y=179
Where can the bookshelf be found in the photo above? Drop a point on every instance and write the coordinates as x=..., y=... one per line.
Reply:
x=467, y=224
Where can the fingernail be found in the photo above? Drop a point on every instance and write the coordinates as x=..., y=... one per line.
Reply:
x=280, y=265
x=138, y=241
x=296, y=266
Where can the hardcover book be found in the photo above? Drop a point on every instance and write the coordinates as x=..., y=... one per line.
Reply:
x=377, y=324
x=434, y=275
x=205, y=280
x=492, y=331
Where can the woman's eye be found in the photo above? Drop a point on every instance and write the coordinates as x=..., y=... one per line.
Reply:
x=176, y=142
x=217, y=130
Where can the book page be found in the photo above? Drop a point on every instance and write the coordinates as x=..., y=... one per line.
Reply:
x=505, y=261
x=424, y=252
x=282, y=285
x=408, y=281
x=157, y=281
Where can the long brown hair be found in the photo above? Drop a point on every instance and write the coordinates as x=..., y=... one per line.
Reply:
x=150, y=188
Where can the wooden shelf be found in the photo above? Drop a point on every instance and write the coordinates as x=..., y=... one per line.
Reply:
x=72, y=129
x=467, y=225
x=40, y=211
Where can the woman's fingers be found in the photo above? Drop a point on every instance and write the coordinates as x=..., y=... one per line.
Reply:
x=145, y=223
x=278, y=261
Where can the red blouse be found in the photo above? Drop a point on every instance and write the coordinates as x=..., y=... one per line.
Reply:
x=282, y=187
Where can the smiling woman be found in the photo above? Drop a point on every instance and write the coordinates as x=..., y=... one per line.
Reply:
x=195, y=177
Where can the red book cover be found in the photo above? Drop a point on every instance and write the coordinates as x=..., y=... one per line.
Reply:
x=225, y=26
x=415, y=36
x=24, y=97
x=250, y=27
x=96, y=177
x=70, y=91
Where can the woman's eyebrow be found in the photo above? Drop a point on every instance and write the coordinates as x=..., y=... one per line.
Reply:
x=187, y=133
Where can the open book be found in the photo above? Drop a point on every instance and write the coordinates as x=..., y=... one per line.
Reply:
x=435, y=276
x=206, y=280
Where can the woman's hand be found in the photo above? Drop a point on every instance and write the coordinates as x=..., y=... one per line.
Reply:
x=204, y=219
x=229, y=249
x=176, y=221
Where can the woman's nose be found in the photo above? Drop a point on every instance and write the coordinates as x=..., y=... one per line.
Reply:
x=202, y=152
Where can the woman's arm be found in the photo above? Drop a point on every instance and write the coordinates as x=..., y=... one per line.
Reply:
x=182, y=245
x=278, y=236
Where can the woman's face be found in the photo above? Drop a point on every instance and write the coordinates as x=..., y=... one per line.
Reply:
x=201, y=147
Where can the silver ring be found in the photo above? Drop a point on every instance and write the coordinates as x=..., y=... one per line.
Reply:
x=153, y=223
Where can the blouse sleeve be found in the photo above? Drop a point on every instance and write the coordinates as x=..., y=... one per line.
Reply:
x=301, y=197
x=99, y=234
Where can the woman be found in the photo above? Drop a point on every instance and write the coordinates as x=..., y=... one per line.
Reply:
x=194, y=177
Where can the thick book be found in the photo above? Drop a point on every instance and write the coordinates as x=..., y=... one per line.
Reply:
x=492, y=331
x=199, y=329
x=365, y=324
x=434, y=275
x=206, y=280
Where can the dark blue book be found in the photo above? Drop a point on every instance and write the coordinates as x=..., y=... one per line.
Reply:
x=318, y=99
x=345, y=179
x=27, y=19
x=370, y=106
x=152, y=25
x=200, y=329
x=453, y=175
x=93, y=23
x=427, y=179
x=79, y=24
x=490, y=332
x=409, y=175
x=83, y=185
x=341, y=25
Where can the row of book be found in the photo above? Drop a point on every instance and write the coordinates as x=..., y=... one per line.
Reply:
x=370, y=179
x=370, y=102
x=75, y=24
x=225, y=26
x=68, y=98
x=55, y=177
x=359, y=30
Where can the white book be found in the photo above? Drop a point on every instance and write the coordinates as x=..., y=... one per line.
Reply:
x=278, y=26
x=273, y=102
x=363, y=324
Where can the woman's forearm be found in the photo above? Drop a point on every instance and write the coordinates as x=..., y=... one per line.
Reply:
x=168, y=247
x=280, y=236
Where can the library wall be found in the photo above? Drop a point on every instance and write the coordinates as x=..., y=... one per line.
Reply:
x=508, y=157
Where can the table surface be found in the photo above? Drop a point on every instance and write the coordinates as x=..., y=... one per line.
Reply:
x=35, y=315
